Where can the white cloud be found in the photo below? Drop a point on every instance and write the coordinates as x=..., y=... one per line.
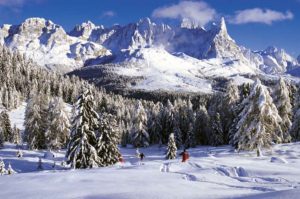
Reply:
x=108, y=13
x=17, y=3
x=198, y=12
x=258, y=15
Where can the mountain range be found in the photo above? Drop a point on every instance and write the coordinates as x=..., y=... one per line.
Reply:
x=146, y=55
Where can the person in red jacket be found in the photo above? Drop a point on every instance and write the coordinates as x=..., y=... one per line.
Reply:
x=185, y=155
x=121, y=160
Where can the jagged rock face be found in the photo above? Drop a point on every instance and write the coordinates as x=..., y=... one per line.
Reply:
x=190, y=39
x=276, y=61
x=49, y=45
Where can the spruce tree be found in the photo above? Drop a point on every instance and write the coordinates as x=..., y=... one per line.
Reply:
x=217, y=134
x=6, y=127
x=58, y=129
x=10, y=170
x=259, y=122
x=107, y=148
x=283, y=103
x=190, y=137
x=2, y=167
x=172, y=149
x=1, y=138
x=81, y=152
x=17, y=138
x=140, y=135
x=36, y=122
x=229, y=109
x=202, y=130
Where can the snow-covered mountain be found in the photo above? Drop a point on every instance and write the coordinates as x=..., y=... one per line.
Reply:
x=176, y=58
x=276, y=61
x=49, y=45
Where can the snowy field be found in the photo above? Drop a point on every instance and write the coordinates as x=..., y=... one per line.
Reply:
x=210, y=173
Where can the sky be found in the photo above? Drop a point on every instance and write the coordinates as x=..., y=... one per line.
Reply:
x=254, y=24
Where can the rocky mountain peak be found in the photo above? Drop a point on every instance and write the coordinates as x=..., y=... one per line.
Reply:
x=189, y=24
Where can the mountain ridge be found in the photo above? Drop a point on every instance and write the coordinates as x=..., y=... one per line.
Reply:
x=146, y=49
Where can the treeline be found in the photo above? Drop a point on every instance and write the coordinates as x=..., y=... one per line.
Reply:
x=248, y=117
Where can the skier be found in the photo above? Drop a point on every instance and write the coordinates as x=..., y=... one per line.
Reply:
x=121, y=160
x=185, y=155
x=40, y=164
x=142, y=156
x=19, y=154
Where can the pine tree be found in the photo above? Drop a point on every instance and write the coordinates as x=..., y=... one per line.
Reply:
x=58, y=129
x=10, y=170
x=259, y=121
x=140, y=135
x=190, y=137
x=217, y=135
x=1, y=138
x=81, y=152
x=6, y=127
x=172, y=149
x=283, y=103
x=107, y=148
x=229, y=109
x=2, y=167
x=36, y=122
x=202, y=130
x=17, y=138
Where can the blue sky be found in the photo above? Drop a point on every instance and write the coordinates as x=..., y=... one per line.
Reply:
x=255, y=24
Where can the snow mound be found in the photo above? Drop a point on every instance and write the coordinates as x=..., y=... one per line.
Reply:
x=49, y=155
x=278, y=160
x=232, y=171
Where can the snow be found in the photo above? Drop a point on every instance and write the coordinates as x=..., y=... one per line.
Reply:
x=211, y=172
x=161, y=70
x=49, y=45
x=17, y=116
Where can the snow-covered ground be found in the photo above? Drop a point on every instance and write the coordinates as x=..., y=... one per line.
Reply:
x=163, y=71
x=211, y=172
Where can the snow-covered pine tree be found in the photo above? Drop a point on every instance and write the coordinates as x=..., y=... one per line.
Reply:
x=217, y=135
x=172, y=149
x=124, y=134
x=36, y=122
x=81, y=152
x=1, y=139
x=177, y=133
x=2, y=167
x=17, y=138
x=202, y=130
x=283, y=103
x=259, y=122
x=10, y=170
x=59, y=126
x=190, y=137
x=6, y=127
x=140, y=135
x=228, y=111
x=107, y=141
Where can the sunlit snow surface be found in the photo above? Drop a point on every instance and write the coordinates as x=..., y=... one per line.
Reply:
x=163, y=71
x=211, y=172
